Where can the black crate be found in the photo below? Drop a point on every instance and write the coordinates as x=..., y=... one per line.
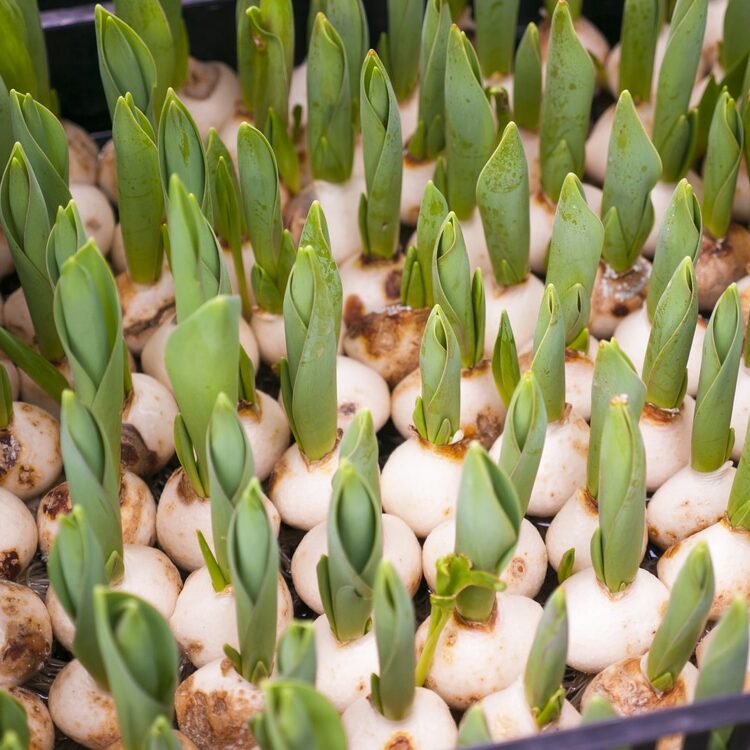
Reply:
x=71, y=47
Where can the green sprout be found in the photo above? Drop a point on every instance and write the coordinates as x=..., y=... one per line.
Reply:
x=379, y=210
x=548, y=363
x=496, y=34
x=503, y=200
x=616, y=543
x=437, y=410
x=566, y=105
x=506, y=370
x=527, y=88
x=574, y=252
x=473, y=729
x=295, y=656
x=66, y=237
x=641, y=24
x=399, y=48
x=684, y=621
x=14, y=726
x=633, y=169
x=738, y=505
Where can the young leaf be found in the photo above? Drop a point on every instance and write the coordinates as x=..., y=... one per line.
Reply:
x=616, y=543
x=675, y=128
x=721, y=165
x=6, y=399
x=460, y=295
x=546, y=664
x=679, y=236
x=393, y=686
x=566, y=105
x=181, y=150
x=496, y=24
x=359, y=446
x=575, y=248
x=380, y=209
x=503, y=200
x=346, y=575
x=437, y=410
x=196, y=259
x=26, y=226
x=633, y=168
x=734, y=47
x=488, y=519
x=429, y=138
x=76, y=567
x=330, y=132
x=738, y=506
x=548, y=364
x=140, y=198
x=161, y=736
x=230, y=465
x=614, y=375
x=473, y=729
x=684, y=621
x=505, y=368
x=254, y=563
x=308, y=373
x=712, y=437
x=209, y=336
x=527, y=88
x=273, y=250
x=66, y=237
x=93, y=477
x=89, y=321
x=675, y=318
x=295, y=656
x=141, y=661
x=469, y=127
x=399, y=48
x=297, y=718
x=523, y=440
x=416, y=281
x=641, y=24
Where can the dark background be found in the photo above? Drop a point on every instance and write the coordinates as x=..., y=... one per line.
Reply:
x=71, y=43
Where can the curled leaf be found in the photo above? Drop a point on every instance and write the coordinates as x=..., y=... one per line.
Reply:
x=66, y=237
x=295, y=657
x=548, y=364
x=505, y=367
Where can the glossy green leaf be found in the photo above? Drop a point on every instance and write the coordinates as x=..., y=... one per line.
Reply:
x=437, y=410
x=459, y=294
x=380, y=209
x=679, y=236
x=230, y=464
x=548, y=364
x=641, y=24
x=141, y=661
x=523, y=437
x=469, y=127
x=416, y=280
x=254, y=563
x=721, y=165
x=330, y=131
x=488, y=521
x=196, y=260
x=616, y=543
x=566, y=105
x=633, y=169
x=209, y=336
x=140, y=198
x=429, y=138
x=573, y=259
x=297, y=718
x=75, y=568
x=89, y=321
x=399, y=48
x=308, y=373
x=393, y=686
x=126, y=65
x=295, y=656
x=712, y=437
x=675, y=128
x=674, y=321
x=527, y=88
x=684, y=621
x=181, y=150
x=545, y=667
x=346, y=575
x=614, y=375
x=503, y=200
